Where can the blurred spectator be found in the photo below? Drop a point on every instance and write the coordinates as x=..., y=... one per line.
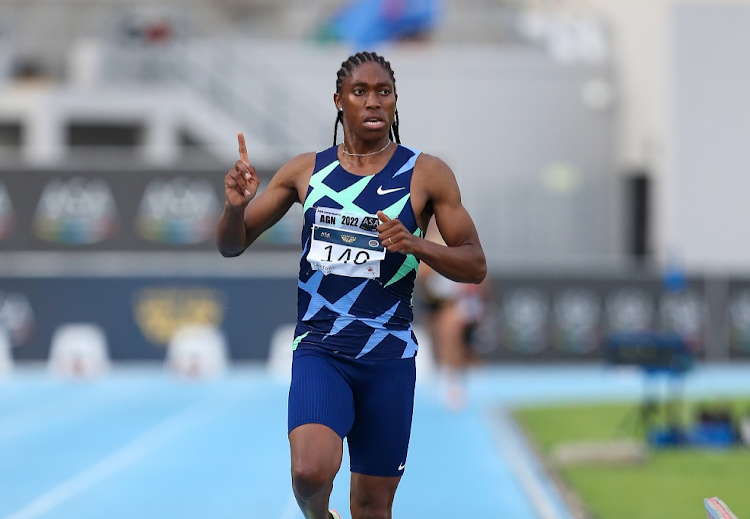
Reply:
x=366, y=23
x=454, y=311
x=148, y=29
x=26, y=68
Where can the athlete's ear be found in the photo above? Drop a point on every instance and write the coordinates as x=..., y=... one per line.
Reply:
x=337, y=101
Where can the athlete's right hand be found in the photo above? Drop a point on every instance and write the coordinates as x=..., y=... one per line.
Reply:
x=241, y=182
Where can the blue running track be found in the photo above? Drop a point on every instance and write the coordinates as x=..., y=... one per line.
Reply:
x=142, y=444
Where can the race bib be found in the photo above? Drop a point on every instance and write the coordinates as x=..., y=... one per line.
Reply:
x=345, y=244
x=339, y=219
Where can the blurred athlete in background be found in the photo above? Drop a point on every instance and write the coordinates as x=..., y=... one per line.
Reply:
x=453, y=311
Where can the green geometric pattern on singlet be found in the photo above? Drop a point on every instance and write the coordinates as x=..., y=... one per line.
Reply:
x=297, y=340
x=331, y=313
x=410, y=264
x=346, y=196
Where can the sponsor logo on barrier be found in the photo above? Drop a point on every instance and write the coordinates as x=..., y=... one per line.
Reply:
x=7, y=219
x=76, y=211
x=159, y=312
x=180, y=210
x=525, y=312
x=739, y=320
x=683, y=312
x=630, y=310
x=16, y=316
x=576, y=312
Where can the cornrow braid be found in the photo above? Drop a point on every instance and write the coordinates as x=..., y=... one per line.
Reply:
x=339, y=119
x=393, y=132
x=347, y=67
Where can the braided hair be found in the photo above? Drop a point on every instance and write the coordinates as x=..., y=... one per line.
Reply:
x=347, y=67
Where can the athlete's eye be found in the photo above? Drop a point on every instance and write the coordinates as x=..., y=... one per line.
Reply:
x=385, y=92
x=358, y=91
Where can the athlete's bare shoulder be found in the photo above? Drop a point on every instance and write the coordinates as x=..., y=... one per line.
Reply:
x=296, y=166
x=430, y=168
x=295, y=174
x=433, y=182
x=427, y=160
x=434, y=176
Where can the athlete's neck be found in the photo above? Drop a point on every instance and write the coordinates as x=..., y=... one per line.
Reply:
x=353, y=154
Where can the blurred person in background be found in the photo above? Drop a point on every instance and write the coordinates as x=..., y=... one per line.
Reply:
x=367, y=203
x=365, y=23
x=453, y=311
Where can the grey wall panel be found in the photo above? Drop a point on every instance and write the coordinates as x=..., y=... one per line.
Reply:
x=709, y=184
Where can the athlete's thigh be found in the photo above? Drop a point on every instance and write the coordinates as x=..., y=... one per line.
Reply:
x=384, y=404
x=321, y=411
x=319, y=393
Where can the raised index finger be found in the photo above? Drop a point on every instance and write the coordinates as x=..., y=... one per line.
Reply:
x=243, y=148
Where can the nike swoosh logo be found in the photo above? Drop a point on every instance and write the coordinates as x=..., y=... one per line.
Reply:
x=382, y=191
x=402, y=466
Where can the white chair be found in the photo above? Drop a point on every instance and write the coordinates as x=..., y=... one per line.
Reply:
x=6, y=356
x=78, y=350
x=198, y=351
x=279, y=363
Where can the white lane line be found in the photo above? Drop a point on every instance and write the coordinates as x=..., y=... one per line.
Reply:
x=130, y=454
x=525, y=465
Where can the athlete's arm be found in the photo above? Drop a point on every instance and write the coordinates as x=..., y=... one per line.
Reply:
x=461, y=258
x=246, y=216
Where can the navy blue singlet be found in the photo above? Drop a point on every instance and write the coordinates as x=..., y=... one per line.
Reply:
x=362, y=317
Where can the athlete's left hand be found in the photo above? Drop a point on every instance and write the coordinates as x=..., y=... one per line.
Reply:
x=395, y=236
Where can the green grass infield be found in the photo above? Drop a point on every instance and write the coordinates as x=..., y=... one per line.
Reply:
x=607, y=469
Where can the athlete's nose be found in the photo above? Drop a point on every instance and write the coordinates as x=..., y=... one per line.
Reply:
x=373, y=100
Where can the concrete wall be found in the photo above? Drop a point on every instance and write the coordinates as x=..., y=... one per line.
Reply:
x=709, y=182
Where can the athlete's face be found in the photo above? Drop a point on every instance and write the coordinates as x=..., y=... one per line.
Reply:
x=368, y=100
